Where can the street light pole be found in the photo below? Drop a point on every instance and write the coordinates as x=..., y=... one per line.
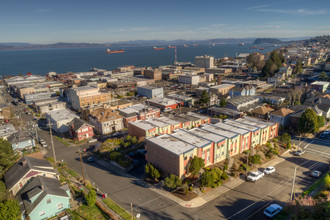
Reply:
x=293, y=182
x=82, y=166
x=51, y=140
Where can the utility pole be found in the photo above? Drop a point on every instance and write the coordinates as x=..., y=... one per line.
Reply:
x=82, y=166
x=293, y=182
x=51, y=140
x=132, y=217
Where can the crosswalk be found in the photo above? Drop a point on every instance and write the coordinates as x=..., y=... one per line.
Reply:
x=315, y=146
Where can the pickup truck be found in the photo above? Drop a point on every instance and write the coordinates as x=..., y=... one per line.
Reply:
x=254, y=176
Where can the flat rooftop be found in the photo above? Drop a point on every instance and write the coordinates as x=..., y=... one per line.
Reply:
x=221, y=86
x=143, y=125
x=196, y=115
x=171, y=144
x=157, y=123
x=134, y=109
x=241, y=125
x=256, y=123
x=190, y=138
x=260, y=121
x=231, y=128
x=7, y=129
x=167, y=120
x=207, y=135
x=62, y=114
x=218, y=131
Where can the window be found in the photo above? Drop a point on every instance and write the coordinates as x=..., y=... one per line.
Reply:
x=42, y=213
x=59, y=206
x=49, y=200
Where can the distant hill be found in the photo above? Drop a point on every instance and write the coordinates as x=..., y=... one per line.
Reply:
x=267, y=41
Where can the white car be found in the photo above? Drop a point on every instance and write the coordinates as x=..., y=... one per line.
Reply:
x=254, y=176
x=272, y=210
x=92, y=141
x=316, y=173
x=269, y=170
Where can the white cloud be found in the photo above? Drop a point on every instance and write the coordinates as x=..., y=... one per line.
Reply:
x=259, y=6
x=293, y=12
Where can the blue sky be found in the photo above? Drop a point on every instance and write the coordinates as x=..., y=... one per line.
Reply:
x=49, y=21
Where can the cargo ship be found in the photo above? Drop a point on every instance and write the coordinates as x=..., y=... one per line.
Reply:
x=195, y=45
x=185, y=45
x=158, y=48
x=169, y=46
x=241, y=44
x=114, y=51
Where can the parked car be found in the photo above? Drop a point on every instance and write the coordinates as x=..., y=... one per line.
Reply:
x=254, y=176
x=41, y=141
x=299, y=152
x=90, y=159
x=316, y=173
x=272, y=210
x=44, y=144
x=324, y=134
x=92, y=140
x=269, y=170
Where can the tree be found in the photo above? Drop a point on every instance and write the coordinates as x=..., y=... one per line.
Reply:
x=151, y=172
x=91, y=198
x=3, y=191
x=320, y=121
x=7, y=156
x=172, y=181
x=285, y=138
x=205, y=98
x=308, y=122
x=10, y=209
x=323, y=76
x=196, y=165
x=254, y=60
x=223, y=103
x=327, y=182
x=274, y=62
x=298, y=68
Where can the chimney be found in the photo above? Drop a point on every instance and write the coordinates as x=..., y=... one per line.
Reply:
x=219, y=79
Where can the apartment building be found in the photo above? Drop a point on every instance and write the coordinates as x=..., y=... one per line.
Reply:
x=106, y=121
x=204, y=61
x=155, y=74
x=150, y=92
x=138, y=112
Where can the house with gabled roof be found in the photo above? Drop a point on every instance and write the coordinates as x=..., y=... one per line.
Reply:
x=80, y=129
x=262, y=112
x=26, y=168
x=281, y=116
x=43, y=198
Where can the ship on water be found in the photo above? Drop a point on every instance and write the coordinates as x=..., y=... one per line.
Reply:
x=169, y=46
x=241, y=44
x=158, y=48
x=185, y=45
x=114, y=51
x=195, y=45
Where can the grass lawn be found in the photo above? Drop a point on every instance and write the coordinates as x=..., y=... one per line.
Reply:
x=86, y=212
x=72, y=173
x=63, y=141
x=117, y=209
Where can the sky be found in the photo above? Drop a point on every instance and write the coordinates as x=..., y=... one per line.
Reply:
x=101, y=21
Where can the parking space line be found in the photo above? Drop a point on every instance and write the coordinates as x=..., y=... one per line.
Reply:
x=308, y=144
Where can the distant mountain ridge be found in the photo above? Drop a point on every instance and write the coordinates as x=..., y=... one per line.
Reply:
x=267, y=41
x=24, y=46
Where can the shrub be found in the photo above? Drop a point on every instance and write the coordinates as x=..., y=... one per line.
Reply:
x=224, y=176
x=246, y=167
x=268, y=145
x=225, y=167
x=115, y=156
x=327, y=182
x=151, y=172
x=185, y=188
x=196, y=165
x=91, y=198
x=275, y=140
x=255, y=159
x=172, y=181
x=190, y=188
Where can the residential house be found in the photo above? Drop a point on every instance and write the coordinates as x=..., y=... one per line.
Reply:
x=26, y=168
x=262, y=112
x=21, y=140
x=281, y=116
x=80, y=129
x=106, y=121
x=320, y=86
x=43, y=197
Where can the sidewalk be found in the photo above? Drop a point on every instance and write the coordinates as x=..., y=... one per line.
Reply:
x=214, y=193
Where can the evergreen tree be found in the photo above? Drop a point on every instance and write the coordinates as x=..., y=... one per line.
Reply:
x=298, y=68
x=10, y=209
x=172, y=181
x=205, y=98
x=7, y=156
x=308, y=122
x=196, y=165
x=223, y=103
x=274, y=62
x=91, y=198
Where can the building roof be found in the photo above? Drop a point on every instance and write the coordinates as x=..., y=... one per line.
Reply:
x=225, y=111
x=61, y=114
x=143, y=125
x=22, y=167
x=206, y=135
x=77, y=123
x=262, y=110
x=7, y=130
x=136, y=109
x=222, y=86
x=171, y=144
x=196, y=115
x=163, y=101
x=158, y=123
x=320, y=83
x=167, y=120
x=41, y=186
x=259, y=120
x=104, y=115
x=297, y=108
x=238, y=100
x=227, y=127
x=218, y=131
x=19, y=137
x=282, y=112
x=250, y=121
x=241, y=125
x=190, y=138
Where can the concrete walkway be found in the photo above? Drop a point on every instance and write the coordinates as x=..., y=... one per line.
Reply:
x=214, y=193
